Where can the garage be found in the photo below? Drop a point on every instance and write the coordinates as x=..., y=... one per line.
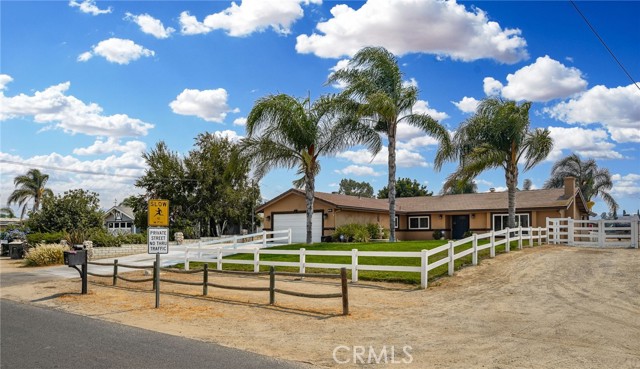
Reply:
x=298, y=224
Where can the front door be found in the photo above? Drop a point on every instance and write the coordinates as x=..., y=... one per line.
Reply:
x=460, y=225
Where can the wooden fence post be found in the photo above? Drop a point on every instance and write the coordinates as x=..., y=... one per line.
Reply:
x=303, y=260
x=354, y=265
x=474, y=256
x=272, y=285
x=507, y=246
x=256, y=260
x=345, y=291
x=492, y=241
x=205, y=279
x=424, y=269
x=115, y=272
x=451, y=261
x=219, y=257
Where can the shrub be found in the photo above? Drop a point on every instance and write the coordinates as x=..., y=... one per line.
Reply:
x=42, y=238
x=437, y=234
x=101, y=238
x=352, y=232
x=45, y=255
x=133, y=238
x=467, y=234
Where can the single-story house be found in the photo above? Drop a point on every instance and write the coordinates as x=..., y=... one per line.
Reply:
x=418, y=217
x=120, y=219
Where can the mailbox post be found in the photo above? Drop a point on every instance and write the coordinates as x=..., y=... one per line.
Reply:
x=75, y=257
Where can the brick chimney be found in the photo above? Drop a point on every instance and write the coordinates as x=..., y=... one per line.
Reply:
x=569, y=187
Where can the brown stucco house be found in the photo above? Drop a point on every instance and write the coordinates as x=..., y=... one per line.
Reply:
x=418, y=217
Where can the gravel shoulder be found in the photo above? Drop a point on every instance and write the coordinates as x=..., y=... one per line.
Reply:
x=544, y=307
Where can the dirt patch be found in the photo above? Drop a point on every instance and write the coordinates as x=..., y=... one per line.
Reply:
x=546, y=307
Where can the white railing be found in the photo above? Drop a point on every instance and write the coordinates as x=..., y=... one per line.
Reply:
x=593, y=233
x=200, y=250
x=505, y=237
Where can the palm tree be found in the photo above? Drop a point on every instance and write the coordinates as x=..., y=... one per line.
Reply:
x=592, y=181
x=497, y=136
x=462, y=186
x=29, y=186
x=6, y=213
x=286, y=132
x=375, y=85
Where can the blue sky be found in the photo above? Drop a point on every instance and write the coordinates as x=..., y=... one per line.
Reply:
x=87, y=86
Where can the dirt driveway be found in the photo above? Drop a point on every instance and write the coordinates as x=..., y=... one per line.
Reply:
x=546, y=307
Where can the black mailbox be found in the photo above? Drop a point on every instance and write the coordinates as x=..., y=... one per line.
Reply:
x=75, y=257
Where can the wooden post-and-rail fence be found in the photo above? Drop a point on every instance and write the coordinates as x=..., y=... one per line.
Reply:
x=205, y=283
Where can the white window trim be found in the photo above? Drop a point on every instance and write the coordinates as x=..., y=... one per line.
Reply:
x=420, y=217
x=518, y=215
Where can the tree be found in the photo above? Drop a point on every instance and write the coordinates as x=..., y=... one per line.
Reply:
x=527, y=184
x=406, y=187
x=375, y=85
x=497, y=136
x=354, y=188
x=592, y=181
x=7, y=213
x=462, y=186
x=30, y=186
x=74, y=210
x=285, y=132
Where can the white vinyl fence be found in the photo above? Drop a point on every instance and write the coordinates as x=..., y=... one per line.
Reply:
x=593, y=233
x=504, y=237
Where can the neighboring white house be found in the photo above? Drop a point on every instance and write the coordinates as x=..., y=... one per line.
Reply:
x=120, y=219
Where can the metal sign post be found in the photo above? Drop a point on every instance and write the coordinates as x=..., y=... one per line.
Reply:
x=157, y=243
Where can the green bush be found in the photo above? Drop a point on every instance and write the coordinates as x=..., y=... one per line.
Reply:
x=133, y=238
x=45, y=255
x=39, y=238
x=437, y=234
x=467, y=234
x=101, y=238
x=353, y=232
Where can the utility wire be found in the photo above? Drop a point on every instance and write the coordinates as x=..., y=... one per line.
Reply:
x=604, y=44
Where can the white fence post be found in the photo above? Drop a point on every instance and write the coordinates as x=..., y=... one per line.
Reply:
x=235, y=242
x=520, y=237
x=289, y=236
x=424, y=269
x=199, y=250
x=634, y=234
x=601, y=233
x=507, y=246
x=492, y=241
x=570, y=235
x=219, y=257
x=354, y=265
x=474, y=243
x=186, y=258
x=303, y=260
x=256, y=259
x=264, y=238
x=539, y=236
x=451, y=261
x=530, y=236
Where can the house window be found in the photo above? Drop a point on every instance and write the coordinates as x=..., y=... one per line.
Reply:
x=128, y=225
x=419, y=222
x=500, y=221
x=396, y=222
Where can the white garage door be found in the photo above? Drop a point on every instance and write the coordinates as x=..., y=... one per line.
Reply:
x=298, y=224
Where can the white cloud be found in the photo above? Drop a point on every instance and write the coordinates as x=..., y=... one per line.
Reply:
x=341, y=64
x=626, y=185
x=404, y=158
x=117, y=50
x=5, y=79
x=242, y=121
x=358, y=170
x=70, y=113
x=467, y=105
x=232, y=136
x=189, y=25
x=491, y=86
x=590, y=143
x=546, y=79
x=422, y=107
x=617, y=109
x=111, y=145
x=150, y=25
x=210, y=105
x=248, y=17
x=89, y=7
x=418, y=142
x=407, y=26
x=410, y=83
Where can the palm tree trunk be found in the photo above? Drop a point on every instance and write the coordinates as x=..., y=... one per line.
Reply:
x=309, y=191
x=511, y=175
x=392, y=182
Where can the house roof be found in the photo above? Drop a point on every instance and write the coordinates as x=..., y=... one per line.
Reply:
x=126, y=210
x=489, y=201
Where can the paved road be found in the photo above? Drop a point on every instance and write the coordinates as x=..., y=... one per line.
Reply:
x=35, y=337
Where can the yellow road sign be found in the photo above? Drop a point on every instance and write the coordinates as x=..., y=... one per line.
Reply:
x=158, y=213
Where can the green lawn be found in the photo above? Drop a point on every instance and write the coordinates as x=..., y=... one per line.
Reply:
x=404, y=277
